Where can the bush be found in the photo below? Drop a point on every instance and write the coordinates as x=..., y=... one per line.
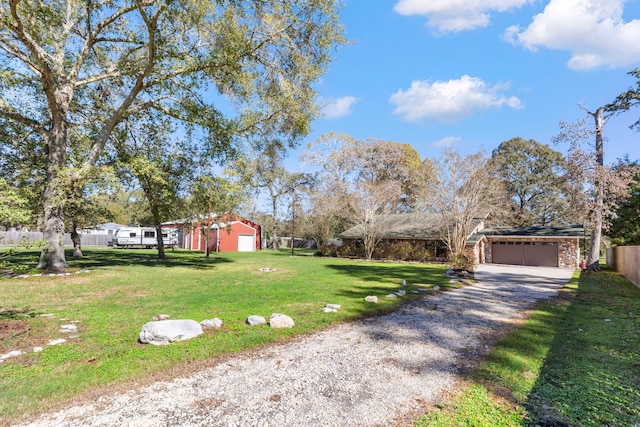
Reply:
x=461, y=261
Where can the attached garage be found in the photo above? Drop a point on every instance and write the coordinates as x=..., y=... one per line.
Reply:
x=534, y=246
x=537, y=254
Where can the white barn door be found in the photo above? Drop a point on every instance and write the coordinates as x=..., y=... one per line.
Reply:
x=246, y=243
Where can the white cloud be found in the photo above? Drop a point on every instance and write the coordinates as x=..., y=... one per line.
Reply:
x=448, y=101
x=592, y=30
x=338, y=107
x=447, y=141
x=456, y=15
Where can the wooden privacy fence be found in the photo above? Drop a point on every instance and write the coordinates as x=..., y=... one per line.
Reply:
x=626, y=261
x=7, y=238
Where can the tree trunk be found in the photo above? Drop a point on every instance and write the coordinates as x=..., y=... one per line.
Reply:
x=52, y=256
x=593, y=260
x=160, y=241
x=275, y=225
x=77, y=242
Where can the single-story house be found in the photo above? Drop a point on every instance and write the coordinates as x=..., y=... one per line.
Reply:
x=227, y=233
x=419, y=237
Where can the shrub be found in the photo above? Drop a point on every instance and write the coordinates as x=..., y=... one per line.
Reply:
x=462, y=261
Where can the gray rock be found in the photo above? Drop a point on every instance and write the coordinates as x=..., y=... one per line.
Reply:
x=404, y=282
x=391, y=296
x=278, y=320
x=164, y=332
x=334, y=306
x=256, y=320
x=329, y=310
x=68, y=328
x=371, y=298
x=401, y=293
x=212, y=323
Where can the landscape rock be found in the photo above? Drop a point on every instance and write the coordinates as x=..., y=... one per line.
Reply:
x=57, y=342
x=391, y=296
x=68, y=328
x=164, y=332
x=371, y=298
x=211, y=323
x=13, y=353
x=401, y=293
x=404, y=282
x=334, y=306
x=278, y=320
x=161, y=317
x=254, y=320
x=329, y=310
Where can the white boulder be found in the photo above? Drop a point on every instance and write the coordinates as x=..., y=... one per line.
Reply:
x=164, y=332
x=254, y=320
x=278, y=320
x=212, y=323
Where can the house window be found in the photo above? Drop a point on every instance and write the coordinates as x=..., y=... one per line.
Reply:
x=132, y=234
x=149, y=234
x=110, y=232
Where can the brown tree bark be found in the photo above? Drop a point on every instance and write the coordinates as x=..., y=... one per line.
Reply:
x=52, y=257
x=77, y=242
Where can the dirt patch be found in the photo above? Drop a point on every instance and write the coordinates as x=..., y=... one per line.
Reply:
x=10, y=328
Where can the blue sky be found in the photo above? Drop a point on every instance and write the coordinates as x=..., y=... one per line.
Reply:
x=471, y=74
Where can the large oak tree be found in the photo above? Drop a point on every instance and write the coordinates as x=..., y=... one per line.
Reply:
x=533, y=174
x=80, y=67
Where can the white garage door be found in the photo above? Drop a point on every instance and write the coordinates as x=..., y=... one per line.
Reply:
x=246, y=243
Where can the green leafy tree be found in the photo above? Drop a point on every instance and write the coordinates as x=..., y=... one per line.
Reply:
x=627, y=99
x=625, y=227
x=533, y=176
x=212, y=199
x=14, y=209
x=82, y=68
x=158, y=165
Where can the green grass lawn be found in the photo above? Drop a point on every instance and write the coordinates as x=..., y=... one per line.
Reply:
x=126, y=288
x=575, y=362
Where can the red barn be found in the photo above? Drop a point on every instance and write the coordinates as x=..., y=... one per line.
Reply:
x=229, y=233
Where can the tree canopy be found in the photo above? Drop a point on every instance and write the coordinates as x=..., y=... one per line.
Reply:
x=78, y=69
x=533, y=175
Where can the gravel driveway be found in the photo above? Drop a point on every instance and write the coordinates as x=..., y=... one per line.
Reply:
x=376, y=372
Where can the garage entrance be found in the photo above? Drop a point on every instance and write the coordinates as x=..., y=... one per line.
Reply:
x=536, y=254
x=246, y=243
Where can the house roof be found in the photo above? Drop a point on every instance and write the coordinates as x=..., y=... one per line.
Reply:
x=408, y=226
x=576, y=231
x=429, y=226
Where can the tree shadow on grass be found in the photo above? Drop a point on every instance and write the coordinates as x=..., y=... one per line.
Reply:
x=95, y=258
x=415, y=274
x=590, y=375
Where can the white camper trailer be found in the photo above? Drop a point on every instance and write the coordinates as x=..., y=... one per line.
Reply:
x=128, y=237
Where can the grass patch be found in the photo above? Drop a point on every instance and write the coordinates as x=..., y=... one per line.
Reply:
x=575, y=362
x=126, y=288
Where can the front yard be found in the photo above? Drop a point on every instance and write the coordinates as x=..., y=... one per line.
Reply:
x=124, y=289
